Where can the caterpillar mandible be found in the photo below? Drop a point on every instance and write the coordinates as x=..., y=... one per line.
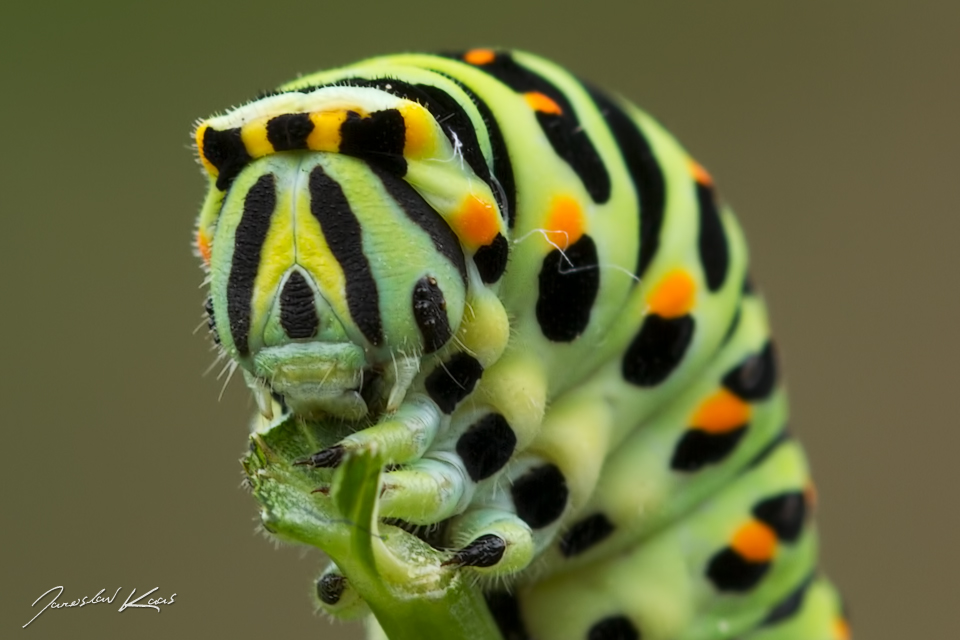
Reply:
x=529, y=299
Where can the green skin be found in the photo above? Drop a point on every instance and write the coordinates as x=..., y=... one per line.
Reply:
x=567, y=403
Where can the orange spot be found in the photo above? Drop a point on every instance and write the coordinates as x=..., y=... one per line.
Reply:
x=198, y=137
x=477, y=223
x=674, y=296
x=721, y=412
x=203, y=246
x=810, y=495
x=542, y=103
x=564, y=224
x=700, y=174
x=419, y=135
x=841, y=629
x=480, y=56
x=755, y=542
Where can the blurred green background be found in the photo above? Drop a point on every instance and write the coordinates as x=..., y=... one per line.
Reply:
x=831, y=127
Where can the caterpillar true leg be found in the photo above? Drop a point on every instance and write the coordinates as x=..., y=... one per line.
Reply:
x=405, y=436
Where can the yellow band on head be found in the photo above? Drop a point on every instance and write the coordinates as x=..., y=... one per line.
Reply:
x=420, y=132
x=198, y=137
x=254, y=136
x=326, y=130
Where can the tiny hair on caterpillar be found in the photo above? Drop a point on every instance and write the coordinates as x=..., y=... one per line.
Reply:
x=523, y=294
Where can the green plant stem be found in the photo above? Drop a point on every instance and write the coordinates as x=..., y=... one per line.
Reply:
x=400, y=577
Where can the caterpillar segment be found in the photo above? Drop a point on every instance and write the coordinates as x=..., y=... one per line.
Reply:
x=731, y=416
x=812, y=610
x=715, y=573
x=528, y=298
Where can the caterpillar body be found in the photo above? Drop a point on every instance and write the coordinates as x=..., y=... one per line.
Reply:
x=528, y=297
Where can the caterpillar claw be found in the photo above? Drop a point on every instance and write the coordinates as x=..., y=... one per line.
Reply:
x=485, y=551
x=330, y=587
x=328, y=458
x=337, y=597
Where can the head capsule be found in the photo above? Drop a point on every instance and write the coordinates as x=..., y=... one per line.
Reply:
x=339, y=231
x=325, y=271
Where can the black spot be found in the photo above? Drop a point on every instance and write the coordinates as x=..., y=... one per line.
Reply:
x=330, y=588
x=298, y=314
x=784, y=513
x=343, y=234
x=486, y=446
x=444, y=108
x=584, y=534
x=714, y=252
x=211, y=321
x=289, y=131
x=491, y=259
x=430, y=313
x=614, y=628
x=485, y=551
x=730, y=572
x=698, y=448
x=379, y=139
x=425, y=217
x=657, y=349
x=505, y=610
x=571, y=142
x=258, y=206
x=569, y=281
x=645, y=172
x=459, y=129
x=566, y=135
x=540, y=495
x=452, y=381
x=748, y=286
x=225, y=150
x=789, y=606
x=768, y=449
x=755, y=377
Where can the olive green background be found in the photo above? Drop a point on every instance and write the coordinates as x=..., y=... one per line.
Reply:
x=831, y=126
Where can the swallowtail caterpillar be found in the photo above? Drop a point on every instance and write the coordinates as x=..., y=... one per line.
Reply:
x=529, y=300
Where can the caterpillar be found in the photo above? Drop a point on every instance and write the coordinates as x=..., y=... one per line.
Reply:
x=530, y=300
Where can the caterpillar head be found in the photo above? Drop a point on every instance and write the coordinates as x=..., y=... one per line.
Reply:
x=335, y=232
x=329, y=278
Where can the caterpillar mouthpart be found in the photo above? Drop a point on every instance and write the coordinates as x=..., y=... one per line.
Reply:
x=316, y=378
